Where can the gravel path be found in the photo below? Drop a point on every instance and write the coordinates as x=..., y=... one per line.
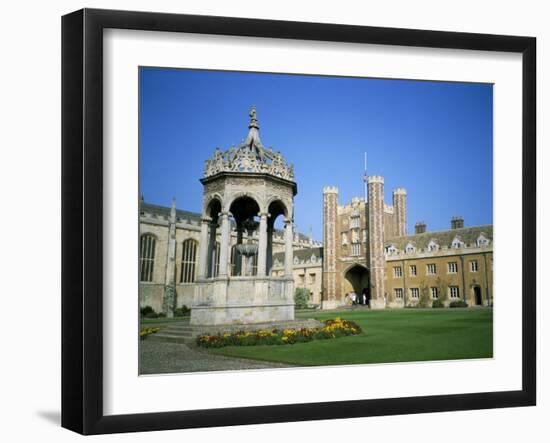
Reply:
x=158, y=357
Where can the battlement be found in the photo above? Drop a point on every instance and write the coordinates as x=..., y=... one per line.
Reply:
x=388, y=209
x=330, y=190
x=400, y=191
x=375, y=179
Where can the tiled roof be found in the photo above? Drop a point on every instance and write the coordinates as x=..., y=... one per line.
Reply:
x=467, y=235
x=302, y=254
x=165, y=212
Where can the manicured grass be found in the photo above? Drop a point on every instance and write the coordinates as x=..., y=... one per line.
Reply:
x=388, y=336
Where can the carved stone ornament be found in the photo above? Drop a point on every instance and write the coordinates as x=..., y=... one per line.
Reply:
x=250, y=156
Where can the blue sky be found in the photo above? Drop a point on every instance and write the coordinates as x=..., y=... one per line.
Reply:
x=433, y=138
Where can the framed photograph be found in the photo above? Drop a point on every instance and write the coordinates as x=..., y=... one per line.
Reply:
x=269, y=221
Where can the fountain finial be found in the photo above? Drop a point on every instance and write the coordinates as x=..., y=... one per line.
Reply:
x=253, y=118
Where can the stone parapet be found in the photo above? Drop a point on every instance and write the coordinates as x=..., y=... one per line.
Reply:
x=330, y=190
x=375, y=179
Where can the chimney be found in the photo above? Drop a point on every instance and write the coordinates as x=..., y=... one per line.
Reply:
x=420, y=227
x=457, y=222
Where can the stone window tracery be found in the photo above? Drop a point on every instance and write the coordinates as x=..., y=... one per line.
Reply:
x=188, y=261
x=147, y=246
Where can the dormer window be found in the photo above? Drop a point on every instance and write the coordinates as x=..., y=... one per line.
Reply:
x=410, y=249
x=390, y=249
x=433, y=246
x=482, y=240
x=457, y=243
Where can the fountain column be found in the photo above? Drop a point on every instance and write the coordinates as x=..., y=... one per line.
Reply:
x=238, y=257
x=224, y=246
x=262, y=245
x=269, y=258
x=203, y=247
x=288, y=248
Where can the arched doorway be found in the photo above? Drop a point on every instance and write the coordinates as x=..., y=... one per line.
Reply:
x=356, y=279
x=275, y=209
x=245, y=259
x=477, y=296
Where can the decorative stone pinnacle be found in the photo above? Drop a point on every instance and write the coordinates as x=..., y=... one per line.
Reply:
x=330, y=190
x=401, y=191
x=250, y=156
x=173, y=209
x=253, y=118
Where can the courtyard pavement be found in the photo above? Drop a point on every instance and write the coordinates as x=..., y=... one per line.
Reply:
x=164, y=358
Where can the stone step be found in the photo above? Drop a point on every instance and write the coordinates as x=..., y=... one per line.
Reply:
x=178, y=328
x=172, y=334
x=170, y=338
x=178, y=333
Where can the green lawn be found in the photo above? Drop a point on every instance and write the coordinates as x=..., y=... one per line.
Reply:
x=388, y=336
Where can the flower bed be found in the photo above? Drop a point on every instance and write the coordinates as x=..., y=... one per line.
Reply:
x=335, y=328
x=147, y=331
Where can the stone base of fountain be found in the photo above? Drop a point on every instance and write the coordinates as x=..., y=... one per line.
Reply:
x=243, y=300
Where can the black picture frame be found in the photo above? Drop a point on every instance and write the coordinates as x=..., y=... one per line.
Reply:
x=82, y=216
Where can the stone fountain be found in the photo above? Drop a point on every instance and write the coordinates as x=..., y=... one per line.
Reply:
x=241, y=184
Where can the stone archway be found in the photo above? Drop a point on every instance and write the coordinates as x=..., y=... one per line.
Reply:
x=245, y=211
x=276, y=210
x=356, y=278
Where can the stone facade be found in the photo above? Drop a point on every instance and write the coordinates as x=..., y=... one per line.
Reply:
x=448, y=265
x=396, y=270
x=307, y=271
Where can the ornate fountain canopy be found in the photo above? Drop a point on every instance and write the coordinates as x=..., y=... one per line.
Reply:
x=250, y=156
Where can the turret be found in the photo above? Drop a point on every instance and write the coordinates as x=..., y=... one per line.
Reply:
x=400, y=212
x=330, y=209
x=376, y=241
